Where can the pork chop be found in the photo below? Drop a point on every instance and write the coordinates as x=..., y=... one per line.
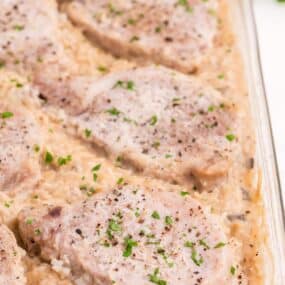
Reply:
x=31, y=44
x=20, y=134
x=175, y=33
x=134, y=235
x=11, y=267
x=165, y=123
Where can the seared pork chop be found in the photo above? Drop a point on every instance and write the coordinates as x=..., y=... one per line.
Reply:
x=20, y=134
x=175, y=33
x=11, y=267
x=164, y=122
x=134, y=235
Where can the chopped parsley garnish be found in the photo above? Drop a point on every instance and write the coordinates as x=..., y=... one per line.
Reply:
x=18, y=27
x=176, y=102
x=168, y=156
x=184, y=193
x=114, y=226
x=189, y=244
x=156, y=145
x=119, y=161
x=94, y=170
x=102, y=69
x=48, y=157
x=96, y=167
x=87, y=133
x=134, y=39
x=162, y=252
x=219, y=245
x=129, y=243
x=194, y=254
x=153, y=120
x=7, y=204
x=211, y=108
x=17, y=83
x=131, y=21
x=233, y=270
x=221, y=76
x=120, y=181
x=36, y=148
x=128, y=85
x=113, y=10
x=204, y=244
x=155, y=215
x=6, y=115
x=95, y=176
x=2, y=64
x=29, y=221
x=64, y=160
x=230, y=137
x=113, y=111
x=194, y=257
x=38, y=232
x=154, y=278
x=168, y=220
x=186, y=5
x=157, y=29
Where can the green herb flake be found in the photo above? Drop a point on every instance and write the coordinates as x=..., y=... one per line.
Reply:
x=95, y=176
x=128, y=85
x=96, y=167
x=204, y=244
x=131, y=21
x=120, y=181
x=29, y=221
x=2, y=64
x=184, y=193
x=195, y=259
x=232, y=270
x=36, y=148
x=186, y=5
x=129, y=243
x=18, y=28
x=7, y=204
x=168, y=156
x=6, y=115
x=64, y=160
x=48, y=158
x=134, y=39
x=153, y=120
x=102, y=69
x=221, y=76
x=156, y=145
x=219, y=245
x=168, y=220
x=114, y=111
x=113, y=227
x=87, y=133
x=230, y=137
x=155, y=215
x=157, y=29
x=38, y=232
x=211, y=108
x=154, y=278
x=189, y=244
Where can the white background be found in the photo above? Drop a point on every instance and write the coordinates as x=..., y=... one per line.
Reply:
x=270, y=19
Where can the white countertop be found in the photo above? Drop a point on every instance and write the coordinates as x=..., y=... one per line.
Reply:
x=270, y=18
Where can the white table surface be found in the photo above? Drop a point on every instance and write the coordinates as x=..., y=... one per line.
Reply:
x=270, y=19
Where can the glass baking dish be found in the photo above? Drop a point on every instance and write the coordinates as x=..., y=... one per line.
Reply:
x=244, y=26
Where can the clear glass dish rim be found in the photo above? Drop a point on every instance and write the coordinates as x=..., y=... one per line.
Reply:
x=244, y=22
